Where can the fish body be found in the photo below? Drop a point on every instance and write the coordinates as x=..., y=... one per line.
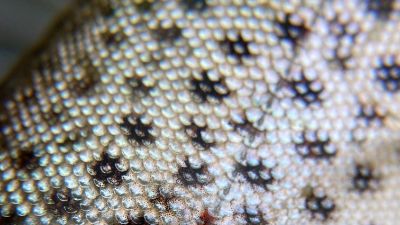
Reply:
x=206, y=112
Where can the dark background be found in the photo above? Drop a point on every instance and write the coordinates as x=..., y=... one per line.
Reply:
x=21, y=24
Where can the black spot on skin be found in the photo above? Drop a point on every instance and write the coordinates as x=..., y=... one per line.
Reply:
x=380, y=8
x=198, y=5
x=138, y=221
x=254, y=217
x=306, y=90
x=26, y=159
x=113, y=39
x=256, y=174
x=45, y=63
x=251, y=135
x=87, y=79
x=107, y=170
x=246, y=126
x=139, y=88
x=190, y=176
x=206, y=89
x=54, y=115
x=194, y=132
x=237, y=48
x=364, y=178
x=320, y=206
x=162, y=201
x=144, y=5
x=342, y=60
x=137, y=131
x=107, y=9
x=370, y=115
x=168, y=35
x=344, y=32
x=388, y=74
x=313, y=147
x=12, y=219
x=290, y=31
x=63, y=203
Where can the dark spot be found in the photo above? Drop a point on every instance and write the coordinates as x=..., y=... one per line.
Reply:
x=206, y=89
x=45, y=63
x=162, y=201
x=138, y=221
x=206, y=218
x=139, y=87
x=245, y=126
x=380, y=8
x=168, y=35
x=28, y=97
x=253, y=217
x=290, y=31
x=144, y=5
x=198, y=5
x=137, y=131
x=55, y=114
x=194, y=132
x=388, y=73
x=237, y=48
x=256, y=174
x=107, y=9
x=313, y=146
x=342, y=60
x=364, y=178
x=113, y=39
x=370, y=115
x=320, y=205
x=12, y=219
x=62, y=202
x=307, y=91
x=190, y=176
x=26, y=159
x=107, y=170
x=346, y=36
x=252, y=136
x=86, y=80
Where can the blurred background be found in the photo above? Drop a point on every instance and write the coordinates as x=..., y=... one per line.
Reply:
x=21, y=24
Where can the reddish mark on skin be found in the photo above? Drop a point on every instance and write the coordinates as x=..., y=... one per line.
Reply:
x=207, y=218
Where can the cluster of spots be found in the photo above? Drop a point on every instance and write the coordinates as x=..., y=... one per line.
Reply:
x=253, y=217
x=364, y=178
x=196, y=134
x=291, y=30
x=306, y=90
x=137, y=131
x=208, y=90
x=62, y=202
x=315, y=145
x=319, y=205
x=256, y=174
x=388, y=74
x=190, y=176
x=346, y=34
x=207, y=112
x=370, y=114
x=195, y=5
x=26, y=159
x=107, y=171
x=381, y=8
x=236, y=47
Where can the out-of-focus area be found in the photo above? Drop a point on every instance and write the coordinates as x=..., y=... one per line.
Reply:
x=21, y=24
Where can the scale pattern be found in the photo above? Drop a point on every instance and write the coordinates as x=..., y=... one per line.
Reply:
x=207, y=112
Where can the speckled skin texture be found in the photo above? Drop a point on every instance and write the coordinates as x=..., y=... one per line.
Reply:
x=207, y=112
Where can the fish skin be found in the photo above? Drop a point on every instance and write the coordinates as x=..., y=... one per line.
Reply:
x=206, y=112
